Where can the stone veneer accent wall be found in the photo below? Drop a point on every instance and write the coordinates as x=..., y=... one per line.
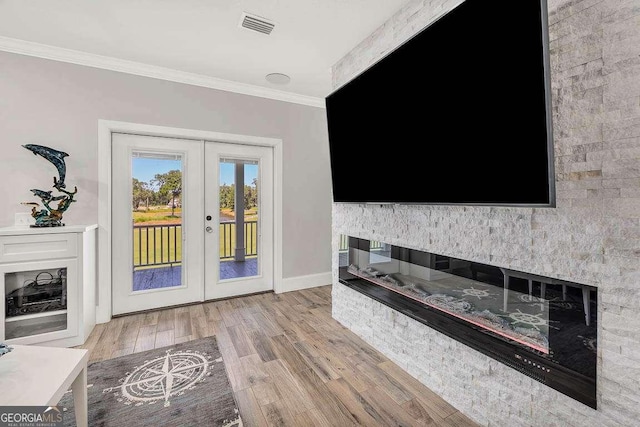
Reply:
x=592, y=237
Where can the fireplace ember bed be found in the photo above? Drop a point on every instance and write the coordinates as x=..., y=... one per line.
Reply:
x=543, y=327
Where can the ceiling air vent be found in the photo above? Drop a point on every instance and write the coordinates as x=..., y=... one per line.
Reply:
x=256, y=23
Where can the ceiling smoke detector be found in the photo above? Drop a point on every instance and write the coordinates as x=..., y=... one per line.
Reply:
x=256, y=23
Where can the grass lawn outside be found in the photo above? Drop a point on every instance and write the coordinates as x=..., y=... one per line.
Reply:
x=157, y=214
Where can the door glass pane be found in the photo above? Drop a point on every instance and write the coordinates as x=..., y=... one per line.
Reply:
x=238, y=218
x=157, y=220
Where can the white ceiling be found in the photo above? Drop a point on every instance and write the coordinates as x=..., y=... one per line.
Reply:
x=203, y=37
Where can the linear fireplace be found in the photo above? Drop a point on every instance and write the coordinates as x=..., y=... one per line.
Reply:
x=543, y=327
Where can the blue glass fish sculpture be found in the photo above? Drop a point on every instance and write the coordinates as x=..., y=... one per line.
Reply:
x=55, y=157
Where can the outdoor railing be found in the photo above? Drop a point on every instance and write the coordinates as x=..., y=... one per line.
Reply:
x=228, y=239
x=156, y=245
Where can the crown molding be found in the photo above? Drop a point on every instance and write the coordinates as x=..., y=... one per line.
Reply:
x=54, y=53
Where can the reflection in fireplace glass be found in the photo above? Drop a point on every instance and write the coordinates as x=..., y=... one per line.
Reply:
x=379, y=253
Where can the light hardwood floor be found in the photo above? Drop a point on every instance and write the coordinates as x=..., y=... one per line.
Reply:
x=289, y=362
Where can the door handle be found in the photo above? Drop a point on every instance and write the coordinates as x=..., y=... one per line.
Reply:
x=209, y=229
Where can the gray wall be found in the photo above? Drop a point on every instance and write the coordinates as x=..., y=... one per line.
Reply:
x=59, y=105
x=592, y=237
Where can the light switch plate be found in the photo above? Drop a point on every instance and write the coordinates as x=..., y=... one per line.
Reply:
x=23, y=219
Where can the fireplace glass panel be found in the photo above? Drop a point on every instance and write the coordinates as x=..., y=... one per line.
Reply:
x=448, y=285
x=552, y=320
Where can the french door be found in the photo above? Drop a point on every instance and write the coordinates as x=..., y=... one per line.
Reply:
x=191, y=221
x=238, y=248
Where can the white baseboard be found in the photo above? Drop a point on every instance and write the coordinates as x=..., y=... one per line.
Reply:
x=304, y=282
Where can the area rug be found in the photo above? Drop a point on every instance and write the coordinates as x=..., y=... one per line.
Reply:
x=180, y=385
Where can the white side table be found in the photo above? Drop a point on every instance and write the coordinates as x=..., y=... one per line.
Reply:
x=40, y=376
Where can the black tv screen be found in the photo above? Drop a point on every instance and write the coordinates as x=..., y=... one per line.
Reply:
x=458, y=114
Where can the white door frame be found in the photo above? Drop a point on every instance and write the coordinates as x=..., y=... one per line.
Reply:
x=105, y=129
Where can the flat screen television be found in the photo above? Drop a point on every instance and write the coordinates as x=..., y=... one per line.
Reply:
x=459, y=114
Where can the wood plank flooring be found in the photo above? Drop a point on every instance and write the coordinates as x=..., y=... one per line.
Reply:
x=289, y=362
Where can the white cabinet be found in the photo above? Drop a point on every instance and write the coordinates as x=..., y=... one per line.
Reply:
x=48, y=279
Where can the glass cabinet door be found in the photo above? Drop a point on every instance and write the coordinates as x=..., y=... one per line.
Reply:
x=39, y=300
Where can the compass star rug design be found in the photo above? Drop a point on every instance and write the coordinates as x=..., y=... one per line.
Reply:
x=180, y=385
